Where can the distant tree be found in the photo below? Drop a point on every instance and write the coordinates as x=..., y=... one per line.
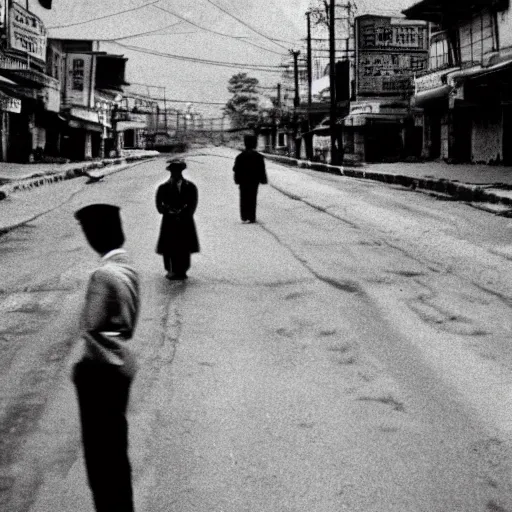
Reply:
x=243, y=108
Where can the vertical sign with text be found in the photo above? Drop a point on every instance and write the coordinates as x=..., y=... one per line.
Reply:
x=3, y=8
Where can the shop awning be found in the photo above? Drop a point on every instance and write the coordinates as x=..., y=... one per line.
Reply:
x=4, y=80
x=363, y=119
x=425, y=97
x=80, y=124
x=481, y=71
x=130, y=125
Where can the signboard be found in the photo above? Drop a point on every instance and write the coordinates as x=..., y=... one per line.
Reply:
x=26, y=32
x=79, y=68
x=9, y=104
x=431, y=81
x=389, y=72
x=390, y=51
x=378, y=32
x=3, y=8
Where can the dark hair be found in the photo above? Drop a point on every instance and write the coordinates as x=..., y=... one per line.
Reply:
x=250, y=141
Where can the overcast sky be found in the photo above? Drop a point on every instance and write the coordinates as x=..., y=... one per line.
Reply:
x=250, y=42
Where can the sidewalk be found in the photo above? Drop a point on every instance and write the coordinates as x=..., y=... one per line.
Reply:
x=15, y=177
x=17, y=209
x=484, y=186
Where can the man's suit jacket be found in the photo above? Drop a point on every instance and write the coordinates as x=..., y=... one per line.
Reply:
x=110, y=311
x=249, y=168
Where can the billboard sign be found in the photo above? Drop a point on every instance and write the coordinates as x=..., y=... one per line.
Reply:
x=9, y=104
x=27, y=33
x=390, y=52
x=3, y=8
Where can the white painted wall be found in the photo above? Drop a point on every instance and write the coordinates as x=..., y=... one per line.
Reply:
x=505, y=28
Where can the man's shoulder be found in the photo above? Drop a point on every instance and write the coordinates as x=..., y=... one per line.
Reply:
x=163, y=185
x=189, y=184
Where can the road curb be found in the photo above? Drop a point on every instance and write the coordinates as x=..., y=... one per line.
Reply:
x=458, y=191
x=111, y=164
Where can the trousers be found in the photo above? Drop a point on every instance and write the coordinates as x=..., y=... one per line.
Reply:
x=177, y=261
x=248, y=197
x=103, y=394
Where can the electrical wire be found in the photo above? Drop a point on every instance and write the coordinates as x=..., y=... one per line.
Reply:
x=241, y=39
x=142, y=33
x=245, y=24
x=237, y=65
x=104, y=17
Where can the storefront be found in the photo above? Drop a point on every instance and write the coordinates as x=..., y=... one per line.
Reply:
x=380, y=132
x=9, y=108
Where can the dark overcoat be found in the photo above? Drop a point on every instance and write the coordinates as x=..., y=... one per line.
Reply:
x=249, y=168
x=178, y=229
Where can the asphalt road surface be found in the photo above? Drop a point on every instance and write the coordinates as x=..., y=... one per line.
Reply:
x=350, y=351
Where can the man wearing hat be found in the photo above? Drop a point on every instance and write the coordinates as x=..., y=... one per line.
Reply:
x=176, y=201
x=249, y=173
x=105, y=372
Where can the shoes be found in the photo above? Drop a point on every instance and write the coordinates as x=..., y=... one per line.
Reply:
x=247, y=221
x=176, y=277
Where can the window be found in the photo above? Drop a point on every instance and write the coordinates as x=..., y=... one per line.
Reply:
x=439, y=51
x=78, y=75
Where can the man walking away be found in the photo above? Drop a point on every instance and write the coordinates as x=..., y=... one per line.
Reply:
x=249, y=172
x=103, y=376
x=176, y=200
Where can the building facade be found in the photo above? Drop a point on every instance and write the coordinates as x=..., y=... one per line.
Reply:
x=465, y=96
x=388, y=53
x=91, y=100
x=29, y=96
x=58, y=98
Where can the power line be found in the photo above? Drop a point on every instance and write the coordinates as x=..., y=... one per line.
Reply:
x=142, y=33
x=106, y=16
x=237, y=65
x=245, y=24
x=237, y=38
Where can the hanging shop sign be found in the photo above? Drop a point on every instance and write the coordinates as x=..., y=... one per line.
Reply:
x=10, y=104
x=27, y=32
x=3, y=9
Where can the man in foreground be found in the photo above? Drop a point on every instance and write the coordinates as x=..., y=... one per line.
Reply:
x=104, y=374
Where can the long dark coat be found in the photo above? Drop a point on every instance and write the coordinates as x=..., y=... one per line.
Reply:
x=249, y=168
x=178, y=229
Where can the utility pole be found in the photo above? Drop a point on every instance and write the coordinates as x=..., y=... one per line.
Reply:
x=278, y=95
x=296, y=99
x=310, y=73
x=308, y=141
x=296, y=53
x=165, y=112
x=332, y=80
